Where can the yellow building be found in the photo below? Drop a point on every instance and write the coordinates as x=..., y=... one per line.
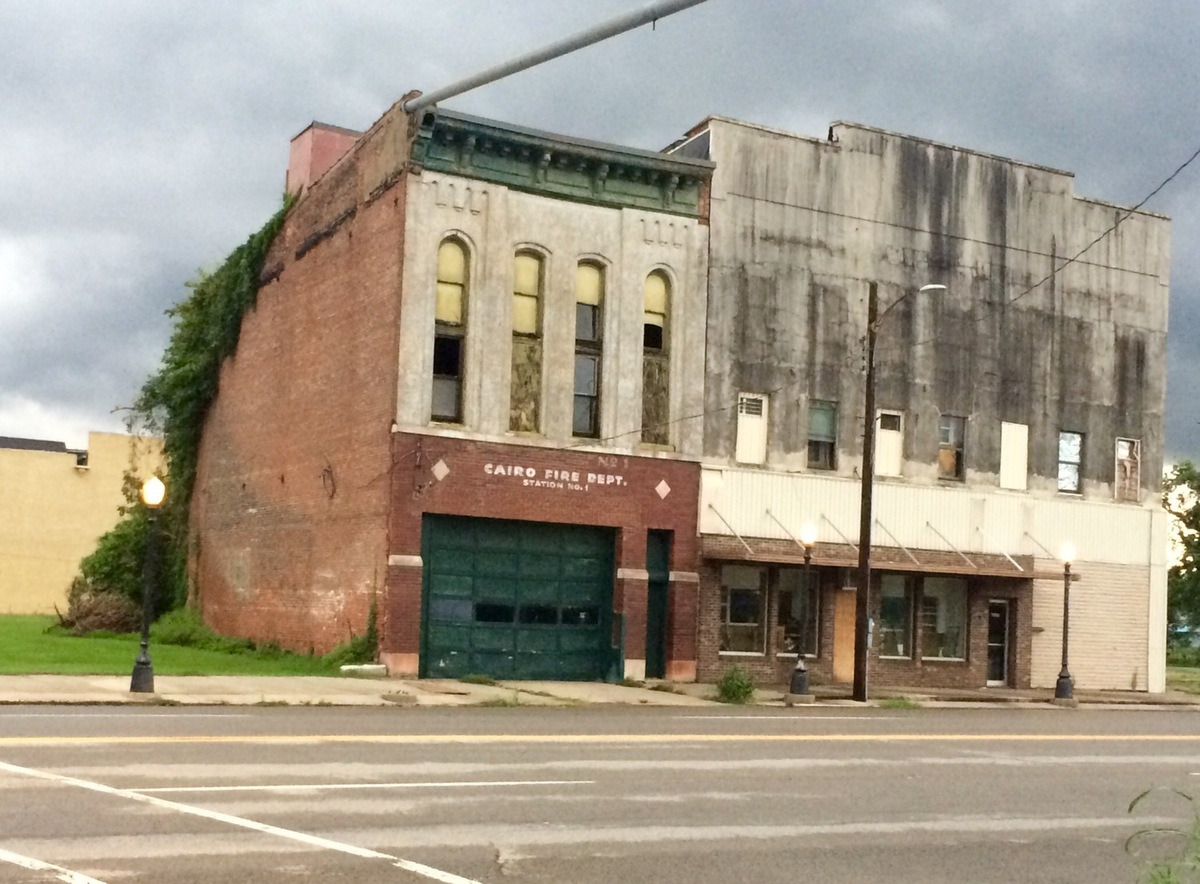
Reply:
x=56, y=503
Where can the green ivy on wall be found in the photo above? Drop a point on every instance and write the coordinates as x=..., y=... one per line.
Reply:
x=174, y=402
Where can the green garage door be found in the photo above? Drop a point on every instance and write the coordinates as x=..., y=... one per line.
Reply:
x=516, y=599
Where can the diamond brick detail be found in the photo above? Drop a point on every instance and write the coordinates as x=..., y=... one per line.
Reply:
x=663, y=488
x=440, y=470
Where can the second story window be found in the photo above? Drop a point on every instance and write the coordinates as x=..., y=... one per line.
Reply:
x=589, y=298
x=656, y=387
x=751, y=444
x=951, y=430
x=450, y=326
x=1070, y=461
x=822, y=435
x=1128, y=478
x=526, y=387
x=889, y=444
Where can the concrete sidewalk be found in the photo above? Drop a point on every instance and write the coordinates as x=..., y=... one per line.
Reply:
x=349, y=691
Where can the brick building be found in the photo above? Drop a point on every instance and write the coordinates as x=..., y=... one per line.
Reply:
x=461, y=397
x=562, y=409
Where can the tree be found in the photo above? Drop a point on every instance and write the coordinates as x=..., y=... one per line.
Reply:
x=1181, y=498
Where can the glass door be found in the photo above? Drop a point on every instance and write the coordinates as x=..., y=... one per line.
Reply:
x=997, y=658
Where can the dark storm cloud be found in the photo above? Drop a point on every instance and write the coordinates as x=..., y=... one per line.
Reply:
x=143, y=140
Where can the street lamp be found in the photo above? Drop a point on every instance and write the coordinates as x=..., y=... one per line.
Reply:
x=799, y=685
x=862, y=608
x=1064, y=688
x=153, y=492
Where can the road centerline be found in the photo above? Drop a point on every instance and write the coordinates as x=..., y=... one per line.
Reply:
x=628, y=738
x=323, y=787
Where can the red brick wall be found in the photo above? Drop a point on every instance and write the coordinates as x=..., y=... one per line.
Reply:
x=625, y=499
x=289, y=515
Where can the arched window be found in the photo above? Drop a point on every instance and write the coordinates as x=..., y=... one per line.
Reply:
x=526, y=388
x=589, y=301
x=656, y=387
x=450, y=327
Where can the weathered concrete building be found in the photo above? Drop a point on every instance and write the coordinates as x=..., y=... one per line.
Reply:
x=461, y=397
x=57, y=504
x=1019, y=411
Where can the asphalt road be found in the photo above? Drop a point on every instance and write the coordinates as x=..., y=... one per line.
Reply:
x=588, y=795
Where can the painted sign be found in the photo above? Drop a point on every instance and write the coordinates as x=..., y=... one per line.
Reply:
x=553, y=478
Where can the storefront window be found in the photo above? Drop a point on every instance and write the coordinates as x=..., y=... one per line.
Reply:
x=895, y=616
x=944, y=618
x=798, y=606
x=743, y=610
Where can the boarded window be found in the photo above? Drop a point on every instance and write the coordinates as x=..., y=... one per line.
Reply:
x=526, y=384
x=451, y=282
x=656, y=386
x=889, y=444
x=951, y=432
x=1128, y=476
x=822, y=435
x=1070, y=461
x=1014, y=456
x=751, y=429
x=527, y=294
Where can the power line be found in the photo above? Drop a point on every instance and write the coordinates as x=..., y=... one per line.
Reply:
x=852, y=354
x=1115, y=225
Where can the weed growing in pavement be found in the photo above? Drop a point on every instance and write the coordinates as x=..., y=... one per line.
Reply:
x=666, y=687
x=735, y=686
x=1167, y=855
x=501, y=702
x=899, y=703
x=476, y=678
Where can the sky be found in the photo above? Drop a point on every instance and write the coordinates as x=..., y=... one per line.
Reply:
x=142, y=141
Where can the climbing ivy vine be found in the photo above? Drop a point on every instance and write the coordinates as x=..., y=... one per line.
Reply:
x=174, y=401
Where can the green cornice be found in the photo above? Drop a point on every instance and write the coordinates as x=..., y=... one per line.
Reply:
x=557, y=166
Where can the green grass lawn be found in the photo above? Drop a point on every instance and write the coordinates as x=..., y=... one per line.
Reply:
x=1184, y=678
x=27, y=648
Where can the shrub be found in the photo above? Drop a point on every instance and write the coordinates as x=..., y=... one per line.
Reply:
x=90, y=609
x=360, y=648
x=735, y=686
x=1179, y=655
x=183, y=627
x=115, y=566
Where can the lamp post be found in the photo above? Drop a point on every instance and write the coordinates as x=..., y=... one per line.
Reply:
x=862, y=607
x=799, y=685
x=1064, y=688
x=153, y=492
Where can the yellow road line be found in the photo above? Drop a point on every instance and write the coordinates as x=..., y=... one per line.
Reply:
x=433, y=739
